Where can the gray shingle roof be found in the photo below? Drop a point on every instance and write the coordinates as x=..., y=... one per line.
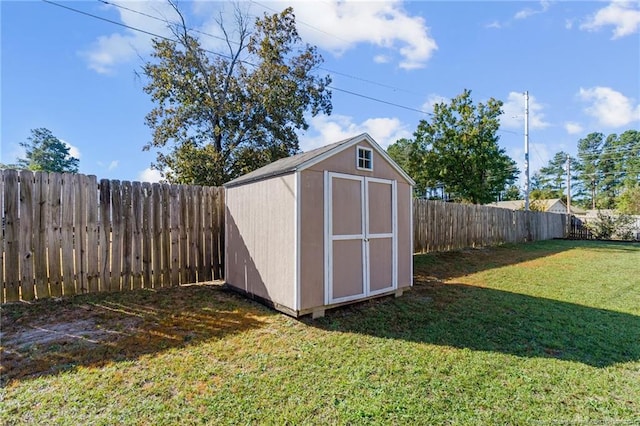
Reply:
x=288, y=164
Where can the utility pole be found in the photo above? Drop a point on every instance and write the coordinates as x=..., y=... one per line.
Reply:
x=526, y=150
x=568, y=185
x=569, y=225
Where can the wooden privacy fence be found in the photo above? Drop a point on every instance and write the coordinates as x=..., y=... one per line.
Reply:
x=65, y=234
x=440, y=226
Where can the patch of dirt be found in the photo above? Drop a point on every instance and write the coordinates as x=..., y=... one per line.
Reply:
x=38, y=335
x=54, y=335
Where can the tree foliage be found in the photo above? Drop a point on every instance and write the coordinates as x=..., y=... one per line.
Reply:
x=45, y=152
x=553, y=176
x=606, y=166
x=219, y=115
x=458, y=148
x=609, y=225
x=629, y=200
x=512, y=193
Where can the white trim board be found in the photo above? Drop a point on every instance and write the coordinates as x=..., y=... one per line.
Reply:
x=364, y=236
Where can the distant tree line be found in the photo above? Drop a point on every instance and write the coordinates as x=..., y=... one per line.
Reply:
x=605, y=174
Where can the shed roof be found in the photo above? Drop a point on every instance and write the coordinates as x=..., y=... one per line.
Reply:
x=304, y=160
x=544, y=203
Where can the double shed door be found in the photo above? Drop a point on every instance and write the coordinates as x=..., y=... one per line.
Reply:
x=360, y=237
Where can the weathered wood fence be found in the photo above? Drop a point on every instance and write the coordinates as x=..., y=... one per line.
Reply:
x=440, y=226
x=64, y=234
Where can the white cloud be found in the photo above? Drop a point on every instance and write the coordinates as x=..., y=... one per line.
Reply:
x=330, y=129
x=433, y=99
x=609, y=107
x=624, y=16
x=381, y=59
x=109, y=51
x=573, y=128
x=494, y=24
x=149, y=175
x=112, y=165
x=73, y=150
x=527, y=12
x=338, y=26
x=568, y=24
x=513, y=112
x=333, y=25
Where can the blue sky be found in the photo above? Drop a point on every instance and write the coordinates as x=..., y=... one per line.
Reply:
x=580, y=61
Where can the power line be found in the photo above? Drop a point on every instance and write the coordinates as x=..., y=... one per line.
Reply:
x=303, y=23
x=381, y=101
x=343, y=74
x=166, y=21
x=222, y=55
x=354, y=77
x=130, y=27
x=106, y=20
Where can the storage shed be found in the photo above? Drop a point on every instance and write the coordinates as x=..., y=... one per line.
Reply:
x=320, y=229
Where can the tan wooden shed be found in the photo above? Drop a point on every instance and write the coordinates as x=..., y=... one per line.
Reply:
x=321, y=229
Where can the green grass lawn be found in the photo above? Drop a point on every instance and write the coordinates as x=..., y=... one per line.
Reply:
x=540, y=333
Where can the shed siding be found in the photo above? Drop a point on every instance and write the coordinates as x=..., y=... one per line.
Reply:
x=405, y=233
x=261, y=239
x=311, y=239
x=345, y=162
x=312, y=221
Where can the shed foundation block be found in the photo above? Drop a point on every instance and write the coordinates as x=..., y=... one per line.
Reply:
x=317, y=313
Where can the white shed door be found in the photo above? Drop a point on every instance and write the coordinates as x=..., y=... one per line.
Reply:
x=360, y=237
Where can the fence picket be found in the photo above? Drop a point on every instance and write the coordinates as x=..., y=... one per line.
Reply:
x=54, y=247
x=105, y=235
x=66, y=236
x=41, y=224
x=206, y=233
x=80, y=232
x=12, y=236
x=167, y=261
x=127, y=238
x=26, y=235
x=2, y=247
x=195, y=236
x=184, y=233
x=93, y=238
x=117, y=215
x=174, y=207
x=156, y=255
x=147, y=234
x=136, y=233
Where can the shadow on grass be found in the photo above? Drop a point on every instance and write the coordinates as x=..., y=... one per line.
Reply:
x=483, y=319
x=48, y=336
x=450, y=265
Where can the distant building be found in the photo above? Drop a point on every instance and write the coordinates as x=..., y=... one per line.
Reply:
x=551, y=205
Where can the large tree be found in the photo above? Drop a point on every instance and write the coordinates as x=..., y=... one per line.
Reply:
x=458, y=148
x=607, y=166
x=629, y=148
x=589, y=149
x=221, y=114
x=45, y=152
x=552, y=178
